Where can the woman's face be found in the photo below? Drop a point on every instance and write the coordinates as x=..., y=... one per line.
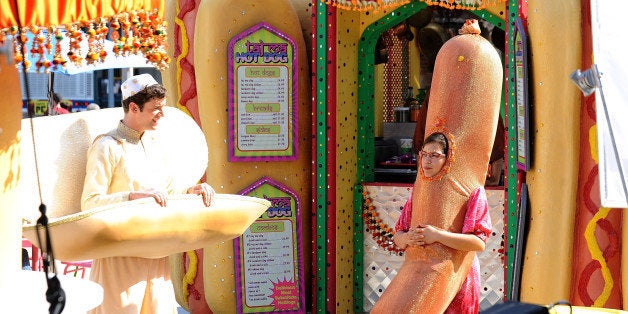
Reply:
x=432, y=159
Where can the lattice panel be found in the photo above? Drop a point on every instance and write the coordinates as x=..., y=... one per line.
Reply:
x=381, y=266
x=395, y=74
x=492, y=258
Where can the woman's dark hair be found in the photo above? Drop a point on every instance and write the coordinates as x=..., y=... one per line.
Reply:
x=439, y=138
x=56, y=98
x=149, y=93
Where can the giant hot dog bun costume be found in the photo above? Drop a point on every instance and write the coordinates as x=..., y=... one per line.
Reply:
x=138, y=228
x=464, y=105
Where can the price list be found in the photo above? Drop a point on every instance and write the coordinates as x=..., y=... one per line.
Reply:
x=523, y=150
x=268, y=259
x=263, y=108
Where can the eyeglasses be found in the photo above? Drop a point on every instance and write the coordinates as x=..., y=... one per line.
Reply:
x=432, y=155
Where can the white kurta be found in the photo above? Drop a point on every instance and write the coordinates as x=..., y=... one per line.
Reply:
x=119, y=163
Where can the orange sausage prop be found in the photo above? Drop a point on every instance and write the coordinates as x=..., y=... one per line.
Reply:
x=464, y=105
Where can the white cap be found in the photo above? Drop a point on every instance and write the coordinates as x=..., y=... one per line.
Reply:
x=135, y=84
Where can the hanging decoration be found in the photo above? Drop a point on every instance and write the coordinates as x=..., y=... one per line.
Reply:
x=365, y=5
x=381, y=232
x=375, y=5
x=138, y=32
x=464, y=4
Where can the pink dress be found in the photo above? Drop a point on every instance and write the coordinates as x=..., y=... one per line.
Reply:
x=478, y=222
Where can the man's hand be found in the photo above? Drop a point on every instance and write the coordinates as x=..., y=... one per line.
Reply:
x=160, y=197
x=204, y=190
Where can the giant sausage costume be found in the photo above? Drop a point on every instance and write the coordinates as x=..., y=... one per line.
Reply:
x=464, y=105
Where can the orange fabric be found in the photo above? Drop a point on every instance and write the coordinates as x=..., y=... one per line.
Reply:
x=51, y=13
x=464, y=105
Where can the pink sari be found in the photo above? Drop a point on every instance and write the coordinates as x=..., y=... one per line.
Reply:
x=478, y=222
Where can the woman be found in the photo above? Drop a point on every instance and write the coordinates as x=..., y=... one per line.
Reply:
x=475, y=231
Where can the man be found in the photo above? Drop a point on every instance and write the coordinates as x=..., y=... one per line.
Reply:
x=92, y=106
x=127, y=164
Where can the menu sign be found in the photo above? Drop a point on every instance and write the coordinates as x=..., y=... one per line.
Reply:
x=40, y=107
x=523, y=111
x=262, y=95
x=269, y=258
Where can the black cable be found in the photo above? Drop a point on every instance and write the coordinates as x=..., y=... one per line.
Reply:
x=54, y=294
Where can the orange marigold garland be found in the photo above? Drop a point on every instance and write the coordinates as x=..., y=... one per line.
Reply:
x=379, y=230
x=18, y=51
x=58, y=60
x=76, y=36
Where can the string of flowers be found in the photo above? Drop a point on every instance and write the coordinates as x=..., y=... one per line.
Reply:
x=375, y=5
x=463, y=4
x=365, y=5
x=379, y=230
x=136, y=32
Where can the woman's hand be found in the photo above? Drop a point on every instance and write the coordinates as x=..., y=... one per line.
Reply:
x=160, y=197
x=428, y=234
x=458, y=241
x=204, y=190
x=412, y=237
x=401, y=239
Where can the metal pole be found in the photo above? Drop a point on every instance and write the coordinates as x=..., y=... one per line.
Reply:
x=110, y=89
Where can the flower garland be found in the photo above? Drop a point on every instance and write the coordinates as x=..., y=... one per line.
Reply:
x=365, y=5
x=375, y=5
x=463, y=4
x=380, y=231
x=135, y=32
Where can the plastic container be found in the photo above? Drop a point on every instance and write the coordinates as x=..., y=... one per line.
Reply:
x=405, y=145
x=414, y=111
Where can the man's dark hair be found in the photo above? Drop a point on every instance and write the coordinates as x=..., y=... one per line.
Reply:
x=149, y=93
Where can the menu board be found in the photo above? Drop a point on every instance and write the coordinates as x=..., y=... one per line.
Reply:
x=262, y=95
x=269, y=258
x=523, y=111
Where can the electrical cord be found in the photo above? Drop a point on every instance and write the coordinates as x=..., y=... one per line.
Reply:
x=54, y=294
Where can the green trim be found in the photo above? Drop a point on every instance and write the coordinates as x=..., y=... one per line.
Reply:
x=358, y=250
x=491, y=18
x=321, y=157
x=366, y=132
x=512, y=177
